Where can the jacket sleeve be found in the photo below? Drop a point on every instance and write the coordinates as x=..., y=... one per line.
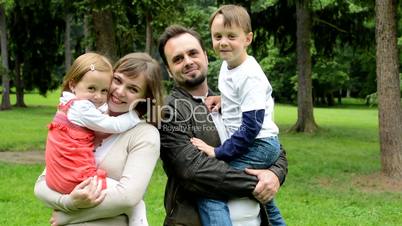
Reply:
x=195, y=171
x=280, y=167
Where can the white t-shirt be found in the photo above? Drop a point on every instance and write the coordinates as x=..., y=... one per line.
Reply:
x=246, y=88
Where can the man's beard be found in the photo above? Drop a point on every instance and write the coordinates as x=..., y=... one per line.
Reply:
x=192, y=83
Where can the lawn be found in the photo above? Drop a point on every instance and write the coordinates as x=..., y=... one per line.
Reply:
x=330, y=180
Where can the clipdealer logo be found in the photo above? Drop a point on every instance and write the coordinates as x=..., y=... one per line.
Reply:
x=171, y=120
x=170, y=116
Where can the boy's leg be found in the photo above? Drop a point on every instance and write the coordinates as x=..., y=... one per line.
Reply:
x=214, y=212
x=274, y=215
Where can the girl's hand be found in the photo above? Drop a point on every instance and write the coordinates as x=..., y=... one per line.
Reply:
x=213, y=103
x=99, y=137
x=88, y=193
x=202, y=146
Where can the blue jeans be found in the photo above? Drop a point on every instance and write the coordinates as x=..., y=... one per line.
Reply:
x=261, y=155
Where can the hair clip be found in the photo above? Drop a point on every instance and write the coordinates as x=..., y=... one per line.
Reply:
x=92, y=67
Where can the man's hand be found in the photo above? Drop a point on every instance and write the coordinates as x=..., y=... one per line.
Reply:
x=88, y=193
x=213, y=103
x=267, y=186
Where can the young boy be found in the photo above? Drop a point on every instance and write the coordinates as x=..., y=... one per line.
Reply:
x=247, y=108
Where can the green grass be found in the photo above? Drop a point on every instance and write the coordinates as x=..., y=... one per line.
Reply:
x=25, y=128
x=319, y=189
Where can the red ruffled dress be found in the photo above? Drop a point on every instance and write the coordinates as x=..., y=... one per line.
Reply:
x=69, y=153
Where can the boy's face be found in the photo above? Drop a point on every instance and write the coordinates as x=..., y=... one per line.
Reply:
x=229, y=43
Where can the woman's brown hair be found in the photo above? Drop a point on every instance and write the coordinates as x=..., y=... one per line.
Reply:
x=135, y=64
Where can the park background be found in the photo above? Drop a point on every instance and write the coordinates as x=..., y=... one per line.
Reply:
x=330, y=91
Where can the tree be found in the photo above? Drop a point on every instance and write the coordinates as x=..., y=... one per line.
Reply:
x=5, y=100
x=35, y=56
x=388, y=88
x=305, y=120
x=68, y=16
x=104, y=28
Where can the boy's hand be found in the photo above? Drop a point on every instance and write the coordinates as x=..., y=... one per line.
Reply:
x=202, y=146
x=213, y=103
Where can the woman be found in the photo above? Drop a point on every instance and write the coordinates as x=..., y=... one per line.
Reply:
x=129, y=157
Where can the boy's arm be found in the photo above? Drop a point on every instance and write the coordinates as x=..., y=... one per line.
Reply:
x=85, y=114
x=243, y=138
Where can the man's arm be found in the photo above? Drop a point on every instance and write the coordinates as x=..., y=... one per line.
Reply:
x=280, y=167
x=197, y=172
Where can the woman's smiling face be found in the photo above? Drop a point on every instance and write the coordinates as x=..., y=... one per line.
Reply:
x=124, y=91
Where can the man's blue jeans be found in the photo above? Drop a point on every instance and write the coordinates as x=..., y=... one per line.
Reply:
x=261, y=155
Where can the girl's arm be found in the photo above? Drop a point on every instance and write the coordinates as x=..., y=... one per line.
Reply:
x=85, y=114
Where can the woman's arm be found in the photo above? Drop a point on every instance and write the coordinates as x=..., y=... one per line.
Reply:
x=52, y=198
x=86, y=194
x=141, y=152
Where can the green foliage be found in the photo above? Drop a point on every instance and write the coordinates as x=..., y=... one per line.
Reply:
x=213, y=75
x=260, y=5
x=372, y=99
x=37, y=49
x=280, y=70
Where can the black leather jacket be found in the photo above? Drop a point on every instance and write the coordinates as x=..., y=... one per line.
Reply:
x=191, y=173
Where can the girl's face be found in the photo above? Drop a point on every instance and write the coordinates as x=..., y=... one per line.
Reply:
x=94, y=86
x=125, y=92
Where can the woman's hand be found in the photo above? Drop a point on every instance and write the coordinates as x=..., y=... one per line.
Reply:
x=202, y=146
x=213, y=103
x=88, y=193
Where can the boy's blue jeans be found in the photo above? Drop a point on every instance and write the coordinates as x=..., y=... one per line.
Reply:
x=262, y=154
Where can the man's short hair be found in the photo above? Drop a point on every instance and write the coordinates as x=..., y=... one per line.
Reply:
x=174, y=31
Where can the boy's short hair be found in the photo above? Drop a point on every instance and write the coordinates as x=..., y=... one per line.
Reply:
x=233, y=15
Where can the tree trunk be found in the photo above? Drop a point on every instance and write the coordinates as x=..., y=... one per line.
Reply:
x=104, y=33
x=5, y=100
x=148, y=44
x=86, y=34
x=67, y=43
x=389, y=104
x=19, y=84
x=305, y=117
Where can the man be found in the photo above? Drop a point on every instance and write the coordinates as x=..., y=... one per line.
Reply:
x=191, y=173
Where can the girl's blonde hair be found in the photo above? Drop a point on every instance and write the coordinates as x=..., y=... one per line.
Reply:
x=84, y=63
x=135, y=64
